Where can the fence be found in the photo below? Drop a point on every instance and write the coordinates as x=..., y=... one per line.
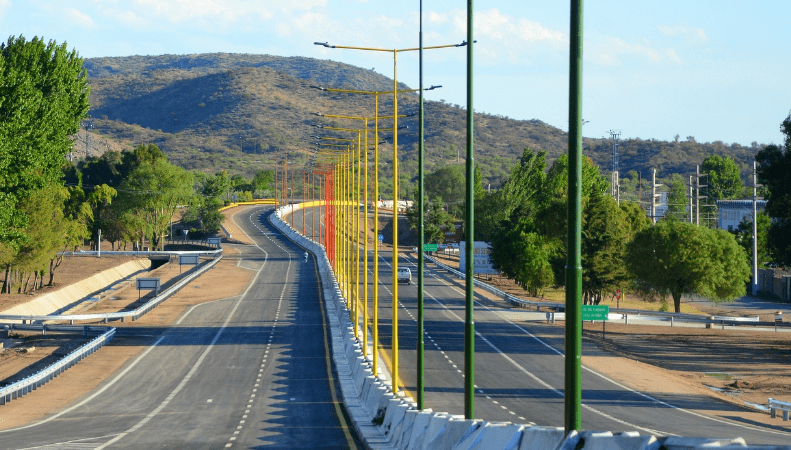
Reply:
x=776, y=282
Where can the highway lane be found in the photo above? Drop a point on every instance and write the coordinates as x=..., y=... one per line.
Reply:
x=520, y=372
x=248, y=372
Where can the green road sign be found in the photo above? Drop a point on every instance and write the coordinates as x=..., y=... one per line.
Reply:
x=430, y=247
x=595, y=312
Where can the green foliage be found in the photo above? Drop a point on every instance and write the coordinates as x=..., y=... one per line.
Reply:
x=606, y=230
x=524, y=255
x=679, y=258
x=43, y=97
x=447, y=184
x=152, y=192
x=744, y=236
x=677, y=199
x=724, y=180
x=217, y=186
x=773, y=169
x=435, y=219
x=262, y=182
x=210, y=217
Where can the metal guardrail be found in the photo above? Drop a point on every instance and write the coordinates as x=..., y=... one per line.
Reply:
x=31, y=383
x=657, y=315
x=135, y=314
x=207, y=253
x=774, y=405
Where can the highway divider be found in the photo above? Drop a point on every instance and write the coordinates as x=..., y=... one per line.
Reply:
x=387, y=421
x=31, y=383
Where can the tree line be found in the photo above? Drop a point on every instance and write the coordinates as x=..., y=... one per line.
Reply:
x=49, y=205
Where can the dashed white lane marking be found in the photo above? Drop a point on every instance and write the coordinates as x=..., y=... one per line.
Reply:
x=268, y=345
x=192, y=371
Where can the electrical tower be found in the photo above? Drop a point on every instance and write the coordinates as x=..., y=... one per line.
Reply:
x=616, y=182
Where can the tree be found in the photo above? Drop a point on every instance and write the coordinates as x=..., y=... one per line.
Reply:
x=210, y=216
x=724, y=181
x=448, y=185
x=523, y=254
x=606, y=230
x=677, y=199
x=774, y=165
x=679, y=258
x=152, y=192
x=744, y=236
x=262, y=181
x=43, y=96
x=217, y=186
x=435, y=220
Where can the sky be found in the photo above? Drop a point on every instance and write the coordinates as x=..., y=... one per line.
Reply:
x=712, y=70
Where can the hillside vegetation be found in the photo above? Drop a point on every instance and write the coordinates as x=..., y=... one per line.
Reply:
x=243, y=112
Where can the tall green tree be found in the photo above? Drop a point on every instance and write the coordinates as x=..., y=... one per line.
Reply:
x=677, y=198
x=435, y=220
x=43, y=96
x=447, y=184
x=774, y=167
x=724, y=181
x=606, y=231
x=679, y=258
x=152, y=192
x=262, y=182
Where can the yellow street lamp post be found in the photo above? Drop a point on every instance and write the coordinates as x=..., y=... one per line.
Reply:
x=395, y=183
x=394, y=338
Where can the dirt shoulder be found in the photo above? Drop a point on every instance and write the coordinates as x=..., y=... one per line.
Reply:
x=226, y=279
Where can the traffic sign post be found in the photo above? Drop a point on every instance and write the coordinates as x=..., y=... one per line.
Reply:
x=596, y=312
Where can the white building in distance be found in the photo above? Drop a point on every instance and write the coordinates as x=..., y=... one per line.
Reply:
x=732, y=212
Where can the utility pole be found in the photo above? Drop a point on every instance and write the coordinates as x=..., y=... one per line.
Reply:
x=640, y=188
x=616, y=183
x=654, y=195
x=690, y=199
x=698, y=176
x=755, y=229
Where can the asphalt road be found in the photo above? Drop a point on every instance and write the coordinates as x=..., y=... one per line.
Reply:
x=251, y=371
x=519, y=369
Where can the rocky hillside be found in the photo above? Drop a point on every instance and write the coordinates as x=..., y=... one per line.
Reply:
x=244, y=112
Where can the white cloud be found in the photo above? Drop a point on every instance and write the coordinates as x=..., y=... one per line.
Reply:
x=435, y=18
x=692, y=33
x=607, y=53
x=493, y=24
x=4, y=5
x=79, y=18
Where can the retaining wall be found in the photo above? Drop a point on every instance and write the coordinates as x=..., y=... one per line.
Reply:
x=55, y=301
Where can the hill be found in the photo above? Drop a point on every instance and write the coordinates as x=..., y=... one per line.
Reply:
x=242, y=112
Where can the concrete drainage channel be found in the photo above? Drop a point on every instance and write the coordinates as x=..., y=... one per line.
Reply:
x=386, y=421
